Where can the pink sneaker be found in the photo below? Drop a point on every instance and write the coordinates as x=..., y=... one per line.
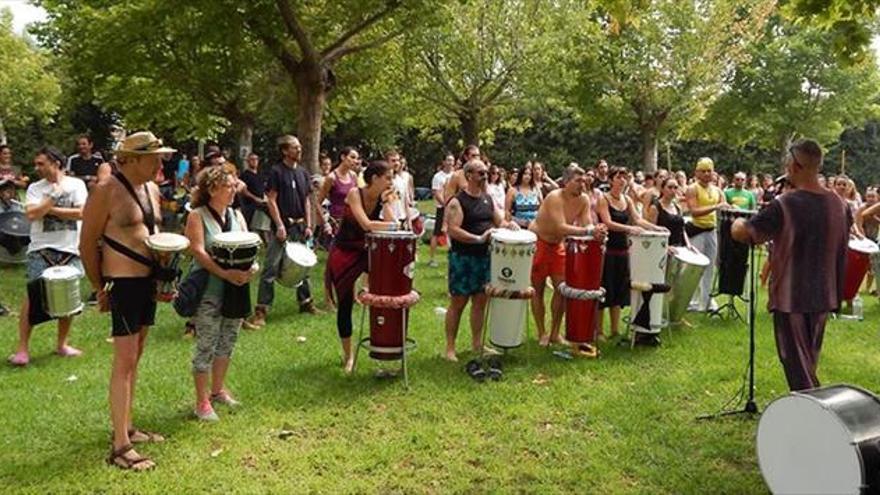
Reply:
x=19, y=359
x=68, y=351
x=205, y=412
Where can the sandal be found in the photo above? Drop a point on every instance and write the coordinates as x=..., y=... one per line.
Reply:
x=140, y=463
x=495, y=372
x=475, y=371
x=141, y=436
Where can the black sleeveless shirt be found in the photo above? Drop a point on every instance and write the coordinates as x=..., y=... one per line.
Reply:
x=351, y=235
x=617, y=240
x=479, y=216
x=675, y=223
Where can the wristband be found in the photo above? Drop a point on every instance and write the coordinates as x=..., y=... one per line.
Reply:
x=589, y=230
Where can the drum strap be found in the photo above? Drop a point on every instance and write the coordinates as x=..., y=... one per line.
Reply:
x=128, y=252
x=65, y=260
x=225, y=225
x=149, y=219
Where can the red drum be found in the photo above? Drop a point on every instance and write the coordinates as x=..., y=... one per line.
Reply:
x=583, y=271
x=858, y=258
x=392, y=264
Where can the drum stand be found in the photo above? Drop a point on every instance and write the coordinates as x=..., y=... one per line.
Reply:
x=396, y=302
x=747, y=390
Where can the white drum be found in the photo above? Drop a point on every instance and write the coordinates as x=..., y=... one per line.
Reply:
x=297, y=262
x=61, y=295
x=647, y=265
x=821, y=441
x=865, y=246
x=511, y=269
x=166, y=248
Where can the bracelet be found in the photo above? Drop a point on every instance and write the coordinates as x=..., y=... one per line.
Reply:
x=589, y=230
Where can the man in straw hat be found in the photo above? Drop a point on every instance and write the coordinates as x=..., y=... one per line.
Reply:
x=54, y=207
x=288, y=192
x=121, y=213
x=703, y=200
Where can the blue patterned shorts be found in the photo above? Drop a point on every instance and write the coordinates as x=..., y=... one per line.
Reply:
x=468, y=274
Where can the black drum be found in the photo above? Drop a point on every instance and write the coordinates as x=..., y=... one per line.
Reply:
x=14, y=231
x=236, y=250
x=733, y=257
x=825, y=440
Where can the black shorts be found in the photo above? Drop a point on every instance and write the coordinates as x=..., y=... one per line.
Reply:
x=132, y=304
x=438, y=221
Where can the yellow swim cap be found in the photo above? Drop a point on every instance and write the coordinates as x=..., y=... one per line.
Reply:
x=705, y=163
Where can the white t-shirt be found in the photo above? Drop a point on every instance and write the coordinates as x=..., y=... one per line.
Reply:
x=401, y=186
x=51, y=231
x=496, y=192
x=438, y=183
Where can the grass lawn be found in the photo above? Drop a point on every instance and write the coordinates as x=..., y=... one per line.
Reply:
x=622, y=424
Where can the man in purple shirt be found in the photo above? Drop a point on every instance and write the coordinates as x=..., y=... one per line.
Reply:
x=809, y=227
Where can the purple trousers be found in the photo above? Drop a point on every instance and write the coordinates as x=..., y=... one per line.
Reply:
x=798, y=342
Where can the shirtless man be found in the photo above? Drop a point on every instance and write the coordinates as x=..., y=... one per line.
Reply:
x=457, y=181
x=122, y=212
x=564, y=212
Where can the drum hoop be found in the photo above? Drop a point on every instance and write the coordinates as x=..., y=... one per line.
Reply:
x=233, y=246
x=393, y=235
x=75, y=274
x=497, y=237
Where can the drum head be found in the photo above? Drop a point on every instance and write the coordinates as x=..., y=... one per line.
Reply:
x=15, y=223
x=804, y=448
x=61, y=273
x=649, y=234
x=167, y=242
x=689, y=257
x=579, y=238
x=508, y=236
x=301, y=254
x=237, y=239
x=392, y=234
x=866, y=246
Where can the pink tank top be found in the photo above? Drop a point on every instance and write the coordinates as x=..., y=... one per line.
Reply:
x=338, y=192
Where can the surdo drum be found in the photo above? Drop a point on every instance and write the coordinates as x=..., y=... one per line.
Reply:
x=61, y=295
x=647, y=261
x=392, y=260
x=511, y=254
x=584, y=257
x=297, y=262
x=820, y=441
x=685, y=268
x=166, y=249
x=235, y=250
x=858, y=258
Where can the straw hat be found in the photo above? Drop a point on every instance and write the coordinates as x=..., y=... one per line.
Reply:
x=286, y=139
x=142, y=143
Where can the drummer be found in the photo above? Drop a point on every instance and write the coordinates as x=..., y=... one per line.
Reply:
x=703, y=200
x=215, y=332
x=620, y=216
x=809, y=228
x=666, y=212
x=471, y=216
x=364, y=207
x=121, y=213
x=54, y=207
x=564, y=212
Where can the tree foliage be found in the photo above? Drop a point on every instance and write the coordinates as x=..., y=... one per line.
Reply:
x=29, y=89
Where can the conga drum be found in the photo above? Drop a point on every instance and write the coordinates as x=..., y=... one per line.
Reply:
x=584, y=257
x=61, y=295
x=392, y=261
x=511, y=254
x=683, y=273
x=647, y=265
x=858, y=258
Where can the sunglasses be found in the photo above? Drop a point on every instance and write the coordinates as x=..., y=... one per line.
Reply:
x=480, y=173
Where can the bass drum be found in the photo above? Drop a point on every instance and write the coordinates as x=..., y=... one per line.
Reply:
x=820, y=441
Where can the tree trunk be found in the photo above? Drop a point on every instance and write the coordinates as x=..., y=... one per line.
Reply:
x=2, y=133
x=245, y=140
x=470, y=126
x=649, y=150
x=312, y=95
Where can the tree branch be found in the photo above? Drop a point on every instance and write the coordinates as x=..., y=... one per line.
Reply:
x=339, y=44
x=437, y=73
x=295, y=29
x=347, y=50
x=275, y=47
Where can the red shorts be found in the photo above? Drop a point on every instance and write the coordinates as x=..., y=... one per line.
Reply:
x=549, y=261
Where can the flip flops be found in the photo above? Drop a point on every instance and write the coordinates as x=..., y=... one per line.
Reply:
x=495, y=371
x=475, y=371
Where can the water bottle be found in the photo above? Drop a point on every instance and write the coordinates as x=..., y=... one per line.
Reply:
x=858, y=308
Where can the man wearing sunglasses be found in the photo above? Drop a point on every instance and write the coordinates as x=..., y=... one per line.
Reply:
x=738, y=196
x=809, y=227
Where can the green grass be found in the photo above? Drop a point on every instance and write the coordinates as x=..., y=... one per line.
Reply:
x=622, y=424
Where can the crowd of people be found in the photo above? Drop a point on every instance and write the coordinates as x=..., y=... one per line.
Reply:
x=96, y=215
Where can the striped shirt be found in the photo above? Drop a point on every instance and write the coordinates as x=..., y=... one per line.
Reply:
x=810, y=232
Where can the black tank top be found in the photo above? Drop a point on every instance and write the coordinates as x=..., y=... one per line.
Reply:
x=675, y=223
x=617, y=240
x=351, y=235
x=479, y=216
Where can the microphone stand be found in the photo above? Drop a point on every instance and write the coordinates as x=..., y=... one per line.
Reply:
x=750, y=408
